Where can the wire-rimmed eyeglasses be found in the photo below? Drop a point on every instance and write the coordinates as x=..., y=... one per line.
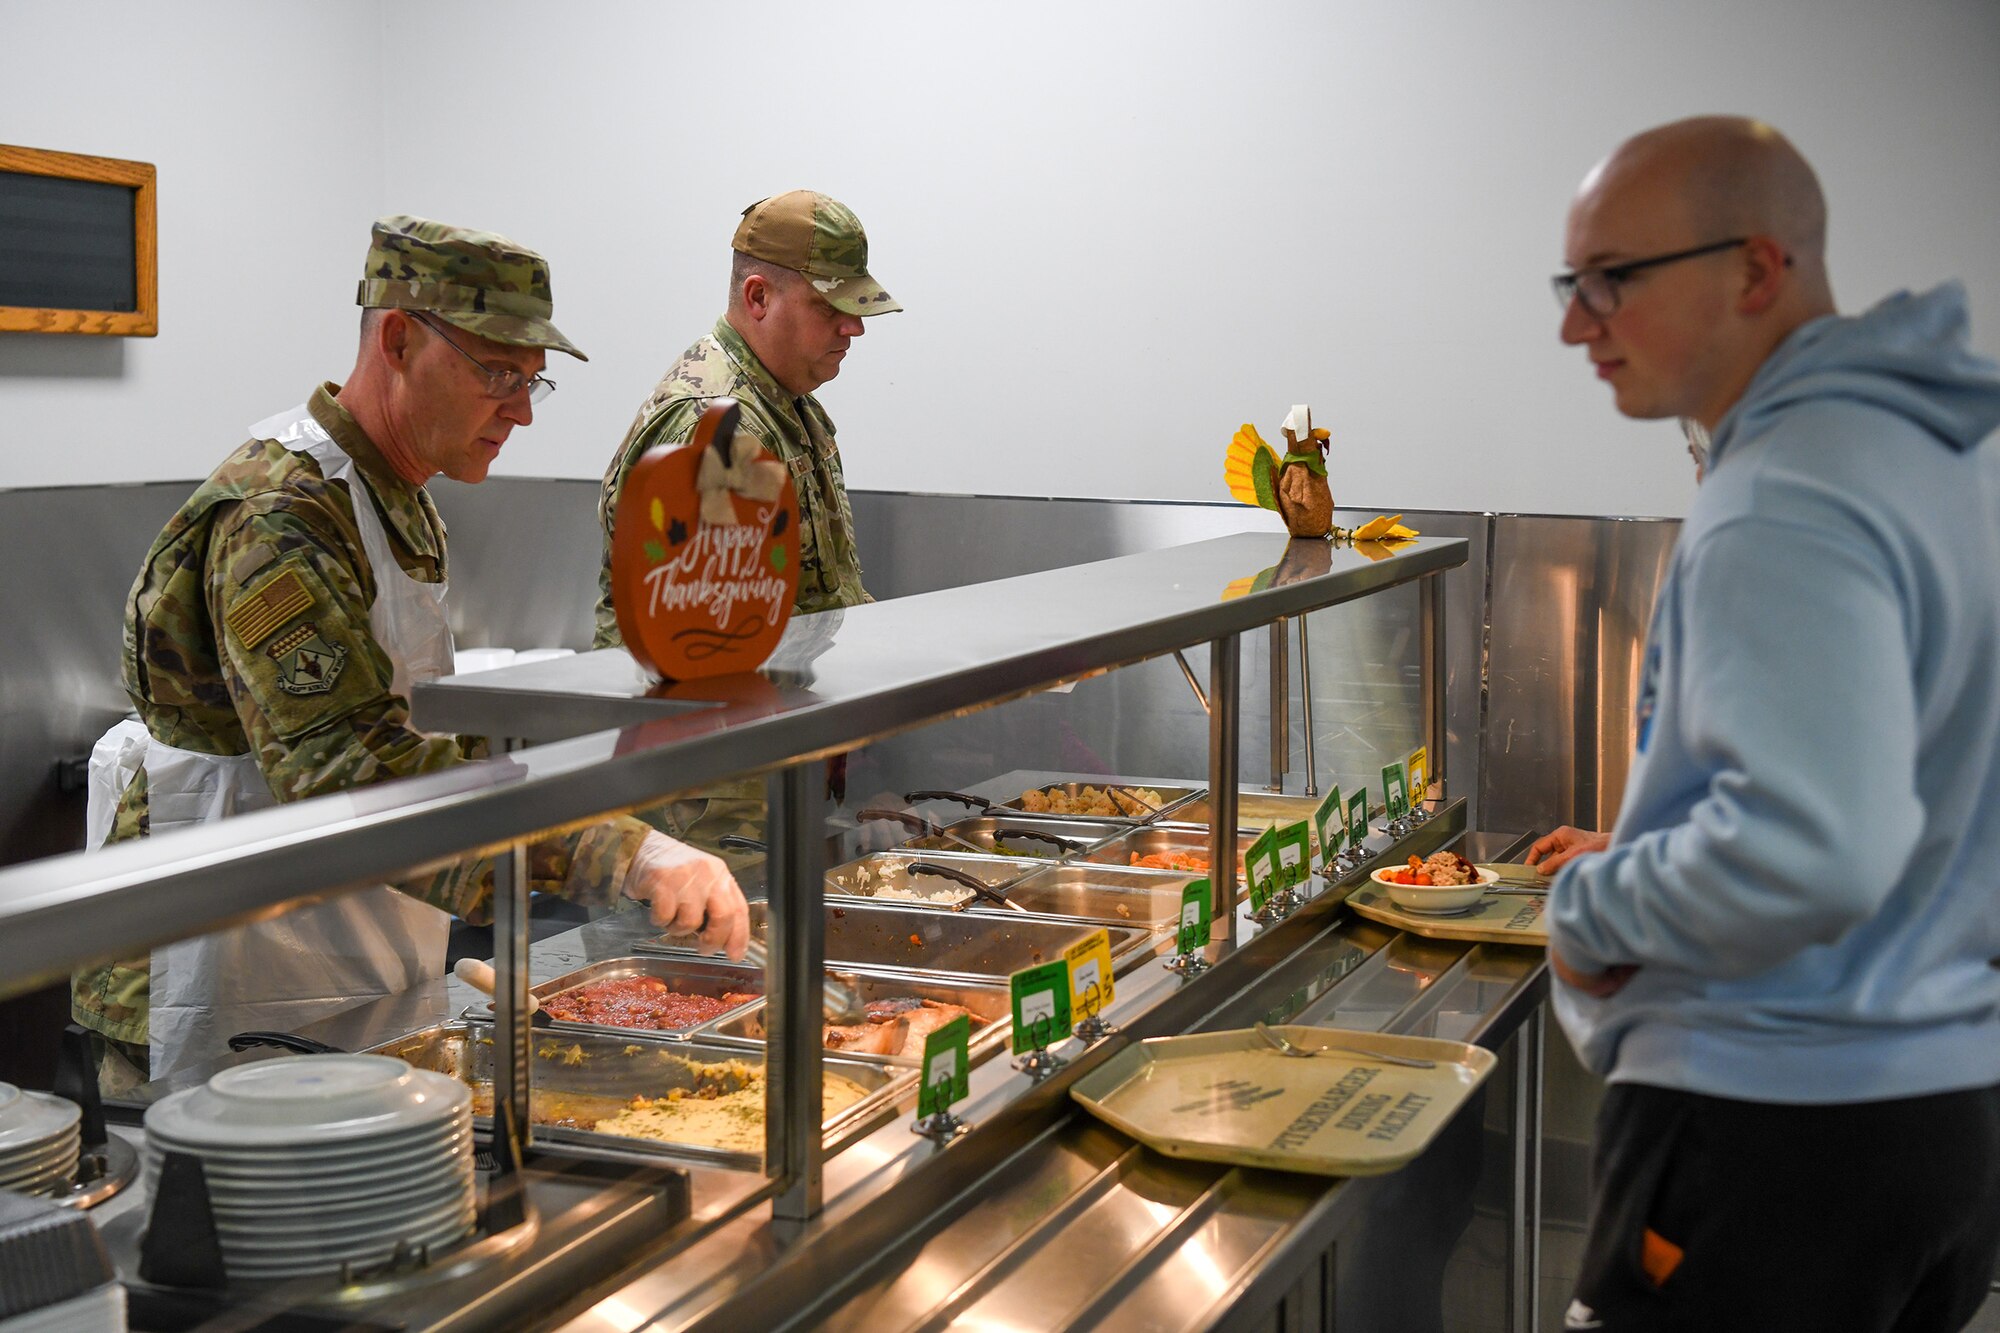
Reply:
x=499, y=383
x=1598, y=288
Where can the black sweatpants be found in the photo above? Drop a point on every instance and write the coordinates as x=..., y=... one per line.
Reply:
x=1876, y=1217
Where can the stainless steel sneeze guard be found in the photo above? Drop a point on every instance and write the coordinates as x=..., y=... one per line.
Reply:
x=839, y=678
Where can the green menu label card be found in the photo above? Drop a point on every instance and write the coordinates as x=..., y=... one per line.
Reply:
x=1395, y=795
x=1357, y=818
x=1041, y=1005
x=1294, y=854
x=1260, y=868
x=1327, y=822
x=1197, y=911
x=946, y=1066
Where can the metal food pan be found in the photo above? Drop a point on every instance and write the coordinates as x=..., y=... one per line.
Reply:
x=1155, y=840
x=990, y=1001
x=685, y=976
x=1144, y=898
x=1170, y=798
x=975, y=944
x=986, y=830
x=579, y=1078
x=1256, y=810
x=886, y=870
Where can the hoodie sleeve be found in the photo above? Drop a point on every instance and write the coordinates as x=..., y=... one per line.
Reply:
x=1795, y=698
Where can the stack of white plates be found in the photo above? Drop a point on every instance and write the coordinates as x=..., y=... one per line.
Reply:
x=39, y=1141
x=313, y=1161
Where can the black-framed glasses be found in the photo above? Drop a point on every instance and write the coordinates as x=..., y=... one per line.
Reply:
x=499, y=383
x=1599, y=288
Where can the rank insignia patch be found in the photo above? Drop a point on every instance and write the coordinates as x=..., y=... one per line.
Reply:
x=307, y=664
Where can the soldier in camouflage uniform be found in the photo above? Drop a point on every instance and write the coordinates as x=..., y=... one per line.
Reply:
x=799, y=290
x=254, y=636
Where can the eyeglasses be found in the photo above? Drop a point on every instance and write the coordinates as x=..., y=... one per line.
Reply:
x=499, y=383
x=1598, y=288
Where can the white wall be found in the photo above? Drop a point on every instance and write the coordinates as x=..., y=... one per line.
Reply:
x=254, y=115
x=1119, y=229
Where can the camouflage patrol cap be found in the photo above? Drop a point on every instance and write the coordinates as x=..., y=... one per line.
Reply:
x=480, y=281
x=821, y=238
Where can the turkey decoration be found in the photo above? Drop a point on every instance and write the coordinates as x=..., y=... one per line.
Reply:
x=705, y=552
x=1294, y=485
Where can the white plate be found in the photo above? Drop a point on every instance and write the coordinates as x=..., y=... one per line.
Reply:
x=309, y=1215
x=349, y=1245
x=308, y=1100
x=61, y=1161
x=343, y=1155
x=66, y=1148
x=292, y=1178
x=1433, y=900
x=30, y=1119
x=44, y=1183
x=229, y=1194
x=323, y=1253
x=323, y=1265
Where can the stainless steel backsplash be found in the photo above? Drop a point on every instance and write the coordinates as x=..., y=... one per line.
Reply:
x=1542, y=644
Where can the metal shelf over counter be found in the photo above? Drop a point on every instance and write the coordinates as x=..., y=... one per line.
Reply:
x=840, y=679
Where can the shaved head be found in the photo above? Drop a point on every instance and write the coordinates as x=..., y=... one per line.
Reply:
x=1732, y=176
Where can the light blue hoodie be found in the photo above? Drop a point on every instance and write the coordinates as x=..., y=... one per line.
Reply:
x=1806, y=867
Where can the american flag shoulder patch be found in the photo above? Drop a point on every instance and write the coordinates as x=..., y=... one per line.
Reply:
x=265, y=609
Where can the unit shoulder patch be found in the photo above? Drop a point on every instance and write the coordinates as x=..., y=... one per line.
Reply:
x=307, y=663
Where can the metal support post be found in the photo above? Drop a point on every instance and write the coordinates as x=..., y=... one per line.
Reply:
x=1306, y=702
x=796, y=945
x=1524, y=1244
x=1281, y=707
x=1430, y=595
x=1224, y=719
x=512, y=1076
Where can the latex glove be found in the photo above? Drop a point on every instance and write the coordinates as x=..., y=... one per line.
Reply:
x=690, y=893
x=1555, y=850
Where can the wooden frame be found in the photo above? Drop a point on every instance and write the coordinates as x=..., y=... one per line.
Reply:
x=143, y=322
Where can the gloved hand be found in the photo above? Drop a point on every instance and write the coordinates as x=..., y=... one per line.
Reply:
x=690, y=893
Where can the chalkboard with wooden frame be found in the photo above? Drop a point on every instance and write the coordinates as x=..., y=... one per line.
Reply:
x=78, y=247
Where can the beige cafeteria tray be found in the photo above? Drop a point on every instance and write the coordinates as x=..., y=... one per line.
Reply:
x=1494, y=919
x=1231, y=1097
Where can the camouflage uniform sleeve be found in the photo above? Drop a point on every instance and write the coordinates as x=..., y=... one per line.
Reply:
x=675, y=425
x=311, y=687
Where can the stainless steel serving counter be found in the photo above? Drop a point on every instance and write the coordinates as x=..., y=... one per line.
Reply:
x=1046, y=1219
x=828, y=1239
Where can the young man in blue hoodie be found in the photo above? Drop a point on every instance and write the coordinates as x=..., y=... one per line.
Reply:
x=1784, y=957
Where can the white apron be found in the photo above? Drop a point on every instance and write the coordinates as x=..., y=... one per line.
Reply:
x=314, y=960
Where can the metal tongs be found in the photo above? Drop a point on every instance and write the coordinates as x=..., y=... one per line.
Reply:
x=837, y=999
x=979, y=886
x=922, y=827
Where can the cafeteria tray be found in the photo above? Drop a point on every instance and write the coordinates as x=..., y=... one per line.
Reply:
x=985, y=830
x=584, y=1076
x=887, y=870
x=1232, y=1097
x=1157, y=839
x=1494, y=919
x=1150, y=898
x=1170, y=797
x=989, y=1001
x=684, y=976
x=977, y=943
x=1255, y=810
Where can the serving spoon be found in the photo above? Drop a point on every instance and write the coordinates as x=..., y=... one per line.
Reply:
x=1285, y=1047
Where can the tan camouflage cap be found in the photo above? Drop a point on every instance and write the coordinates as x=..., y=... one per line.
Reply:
x=480, y=281
x=821, y=238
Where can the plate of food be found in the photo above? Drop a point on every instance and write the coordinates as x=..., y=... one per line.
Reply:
x=1436, y=884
